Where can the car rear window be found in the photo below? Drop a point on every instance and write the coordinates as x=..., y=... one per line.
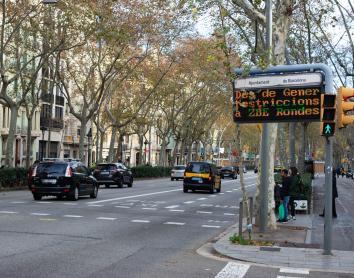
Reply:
x=198, y=168
x=227, y=168
x=179, y=168
x=52, y=168
x=106, y=167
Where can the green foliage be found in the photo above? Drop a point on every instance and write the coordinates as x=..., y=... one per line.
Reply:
x=13, y=177
x=238, y=239
x=150, y=172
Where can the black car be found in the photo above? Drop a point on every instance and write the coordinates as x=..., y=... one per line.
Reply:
x=62, y=179
x=113, y=173
x=228, y=171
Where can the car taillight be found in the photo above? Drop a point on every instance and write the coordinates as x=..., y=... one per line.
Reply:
x=68, y=172
x=34, y=172
x=209, y=178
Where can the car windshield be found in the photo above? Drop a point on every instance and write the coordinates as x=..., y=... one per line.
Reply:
x=227, y=168
x=179, y=168
x=122, y=166
x=198, y=168
x=52, y=168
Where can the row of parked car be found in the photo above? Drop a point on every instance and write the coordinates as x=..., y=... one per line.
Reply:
x=71, y=178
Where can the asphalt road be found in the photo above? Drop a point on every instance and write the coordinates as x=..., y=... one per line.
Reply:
x=150, y=230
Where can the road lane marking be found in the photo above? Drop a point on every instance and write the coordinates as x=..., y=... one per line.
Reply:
x=47, y=219
x=201, y=199
x=222, y=193
x=294, y=270
x=72, y=216
x=174, y=223
x=206, y=205
x=229, y=191
x=211, y=226
x=140, y=221
x=8, y=212
x=70, y=204
x=176, y=210
x=123, y=207
x=18, y=202
x=42, y=202
x=106, y=218
x=39, y=214
x=172, y=207
x=281, y=276
x=205, y=212
x=231, y=214
x=150, y=208
x=95, y=205
x=129, y=197
x=233, y=270
x=189, y=202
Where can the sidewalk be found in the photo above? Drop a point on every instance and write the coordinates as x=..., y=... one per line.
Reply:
x=306, y=232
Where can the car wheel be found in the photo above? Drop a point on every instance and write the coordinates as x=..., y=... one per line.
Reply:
x=172, y=179
x=75, y=194
x=218, y=189
x=211, y=191
x=120, y=183
x=59, y=197
x=130, y=184
x=37, y=197
x=106, y=185
x=234, y=177
x=94, y=192
x=185, y=189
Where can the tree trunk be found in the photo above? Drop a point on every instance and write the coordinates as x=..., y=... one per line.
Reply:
x=9, y=161
x=100, y=157
x=119, y=154
x=29, y=141
x=163, y=152
x=141, y=151
x=282, y=145
x=301, y=162
x=292, y=128
x=174, y=154
x=111, y=145
x=82, y=139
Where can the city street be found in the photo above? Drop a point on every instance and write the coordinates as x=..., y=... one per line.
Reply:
x=150, y=230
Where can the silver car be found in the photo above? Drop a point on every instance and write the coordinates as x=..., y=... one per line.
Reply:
x=177, y=172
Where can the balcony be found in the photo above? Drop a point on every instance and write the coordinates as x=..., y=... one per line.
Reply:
x=47, y=97
x=55, y=123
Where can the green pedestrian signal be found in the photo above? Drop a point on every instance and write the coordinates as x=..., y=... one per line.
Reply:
x=328, y=129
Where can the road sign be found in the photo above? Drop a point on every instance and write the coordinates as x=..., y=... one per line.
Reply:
x=282, y=80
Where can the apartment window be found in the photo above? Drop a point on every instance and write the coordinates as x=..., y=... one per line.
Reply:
x=78, y=131
x=4, y=117
x=58, y=112
x=45, y=111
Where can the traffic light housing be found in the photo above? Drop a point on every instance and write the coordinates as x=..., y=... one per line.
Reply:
x=344, y=106
x=328, y=114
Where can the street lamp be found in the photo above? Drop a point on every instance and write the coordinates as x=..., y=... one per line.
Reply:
x=43, y=129
x=89, y=137
x=145, y=143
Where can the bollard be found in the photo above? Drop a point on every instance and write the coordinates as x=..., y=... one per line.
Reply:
x=240, y=218
x=251, y=209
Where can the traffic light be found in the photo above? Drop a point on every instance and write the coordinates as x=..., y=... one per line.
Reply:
x=328, y=114
x=344, y=106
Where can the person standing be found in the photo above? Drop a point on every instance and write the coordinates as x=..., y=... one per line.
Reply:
x=284, y=193
x=334, y=196
x=295, y=189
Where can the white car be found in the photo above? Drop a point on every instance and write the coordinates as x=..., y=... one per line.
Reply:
x=177, y=172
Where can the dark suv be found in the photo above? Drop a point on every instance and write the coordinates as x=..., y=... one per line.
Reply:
x=113, y=173
x=228, y=171
x=62, y=179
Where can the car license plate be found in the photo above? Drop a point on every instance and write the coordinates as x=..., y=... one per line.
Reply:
x=196, y=179
x=104, y=173
x=49, y=181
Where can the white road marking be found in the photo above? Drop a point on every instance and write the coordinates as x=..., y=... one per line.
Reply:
x=294, y=270
x=233, y=270
x=106, y=218
x=40, y=214
x=189, y=202
x=129, y=197
x=7, y=212
x=175, y=223
x=281, y=276
x=176, y=210
x=201, y=199
x=70, y=204
x=95, y=205
x=124, y=207
x=206, y=205
x=140, y=221
x=172, y=207
x=229, y=191
x=18, y=202
x=150, y=208
x=206, y=212
x=213, y=196
x=229, y=213
x=44, y=202
x=222, y=193
x=210, y=226
x=72, y=216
